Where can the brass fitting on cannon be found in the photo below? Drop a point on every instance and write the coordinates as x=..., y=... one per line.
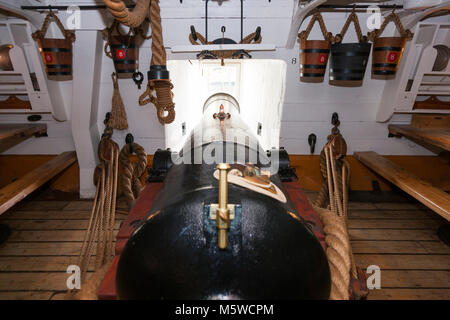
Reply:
x=223, y=212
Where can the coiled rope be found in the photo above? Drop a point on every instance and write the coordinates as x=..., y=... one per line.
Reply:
x=331, y=205
x=99, y=236
x=163, y=100
x=131, y=183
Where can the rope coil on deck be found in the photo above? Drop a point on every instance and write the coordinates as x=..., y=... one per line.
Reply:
x=331, y=204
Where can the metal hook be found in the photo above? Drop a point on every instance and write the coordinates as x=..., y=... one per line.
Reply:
x=129, y=139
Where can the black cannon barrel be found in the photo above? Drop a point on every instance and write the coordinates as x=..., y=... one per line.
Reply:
x=175, y=254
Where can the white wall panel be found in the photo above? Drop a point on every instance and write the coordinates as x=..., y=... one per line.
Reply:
x=307, y=108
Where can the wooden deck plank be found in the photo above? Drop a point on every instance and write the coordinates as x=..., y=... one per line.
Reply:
x=48, y=236
x=415, y=279
x=17, y=190
x=38, y=264
x=26, y=295
x=414, y=263
x=51, y=215
x=393, y=224
x=411, y=261
x=42, y=206
x=12, y=134
x=434, y=198
x=403, y=247
x=387, y=234
x=40, y=249
x=393, y=214
x=409, y=294
x=33, y=281
x=434, y=137
x=23, y=225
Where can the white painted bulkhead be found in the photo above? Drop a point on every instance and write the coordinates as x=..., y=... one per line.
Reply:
x=307, y=107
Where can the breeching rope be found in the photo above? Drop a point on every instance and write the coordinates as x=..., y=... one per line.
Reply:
x=331, y=205
x=131, y=183
x=99, y=235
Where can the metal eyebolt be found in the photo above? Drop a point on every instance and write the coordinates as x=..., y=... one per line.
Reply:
x=258, y=34
x=194, y=33
x=129, y=139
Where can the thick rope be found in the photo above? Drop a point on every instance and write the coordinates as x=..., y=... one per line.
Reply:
x=121, y=13
x=163, y=87
x=118, y=118
x=316, y=17
x=396, y=19
x=132, y=172
x=351, y=18
x=331, y=204
x=338, y=246
x=40, y=34
x=99, y=235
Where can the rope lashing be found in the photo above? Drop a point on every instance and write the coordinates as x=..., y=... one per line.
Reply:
x=40, y=34
x=121, y=13
x=99, y=236
x=132, y=172
x=396, y=19
x=351, y=18
x=316, y=17
x=332, y=204
x=158, y=76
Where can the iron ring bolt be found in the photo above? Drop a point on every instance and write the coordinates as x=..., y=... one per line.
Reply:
x=138, y=78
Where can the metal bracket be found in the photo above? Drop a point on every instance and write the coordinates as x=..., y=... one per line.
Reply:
x=213, y=207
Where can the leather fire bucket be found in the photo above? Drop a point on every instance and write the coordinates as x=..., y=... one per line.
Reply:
x=314, y=53
x=56, y=54
x=388, y=51
x=348, y=61
x=123, y=50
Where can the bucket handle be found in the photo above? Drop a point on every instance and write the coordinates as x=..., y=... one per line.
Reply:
x=351, y=18
x=107, y=33
x=398, y=23
x=316, y=17
x=40, y=34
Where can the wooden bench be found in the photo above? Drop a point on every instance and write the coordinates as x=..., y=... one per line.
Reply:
x=434, y=198
x=12, y=134
x=434, y=137
x=19, y=189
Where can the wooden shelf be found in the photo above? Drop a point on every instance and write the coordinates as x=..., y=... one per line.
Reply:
x=435, y=137
x=434, y=198
x=12, y=134
x=19, y=189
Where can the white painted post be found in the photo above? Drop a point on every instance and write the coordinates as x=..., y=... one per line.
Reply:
x=88, y=52
x=297, y=20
